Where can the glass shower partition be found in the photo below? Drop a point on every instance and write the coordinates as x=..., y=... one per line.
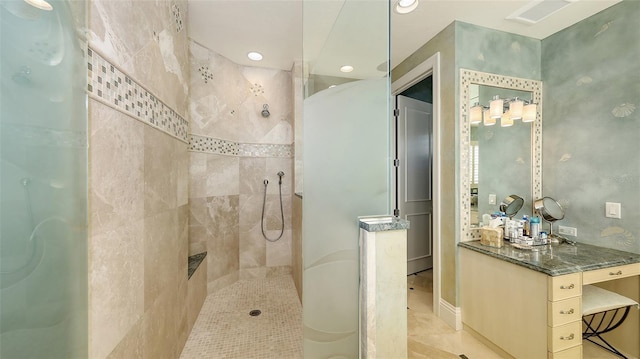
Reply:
x=43, y=180
x=346, y=136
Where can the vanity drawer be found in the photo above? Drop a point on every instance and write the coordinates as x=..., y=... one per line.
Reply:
x=573, y=353
x=564, y=336
x=564, y=311
x=565, y=286
x=604, y=274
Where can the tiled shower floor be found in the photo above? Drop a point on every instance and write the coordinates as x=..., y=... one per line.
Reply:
x=224, y=328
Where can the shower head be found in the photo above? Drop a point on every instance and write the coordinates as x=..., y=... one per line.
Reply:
x=280, y=174
x=265, y=111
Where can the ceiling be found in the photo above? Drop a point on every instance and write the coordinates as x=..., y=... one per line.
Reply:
x=232, y=28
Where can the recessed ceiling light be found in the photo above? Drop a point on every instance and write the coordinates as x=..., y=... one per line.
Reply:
x=40, y=4
x=346, y=68
x=405, y=6
x=255, y=56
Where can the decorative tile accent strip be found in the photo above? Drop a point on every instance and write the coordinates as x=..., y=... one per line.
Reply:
x=265, y=150
x=224, y=147
x=175, y=10
x=109, y=85
x=213, y=145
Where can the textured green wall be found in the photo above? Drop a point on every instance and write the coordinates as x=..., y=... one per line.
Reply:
x=498, y=52
x=591, y=125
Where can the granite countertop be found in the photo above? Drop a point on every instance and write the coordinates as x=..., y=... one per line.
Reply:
x=382, y=223
x=194, y=263
x=555, y=260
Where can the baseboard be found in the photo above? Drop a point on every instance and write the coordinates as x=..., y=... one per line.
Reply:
x=450, y=315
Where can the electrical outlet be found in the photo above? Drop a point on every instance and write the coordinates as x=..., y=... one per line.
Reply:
x=568, y=231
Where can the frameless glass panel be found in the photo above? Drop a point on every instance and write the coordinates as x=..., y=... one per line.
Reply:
x=346, y=162
x=43, y=184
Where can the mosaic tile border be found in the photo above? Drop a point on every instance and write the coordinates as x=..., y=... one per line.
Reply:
x=468, y=77
x=230, y=148
x=110, y=85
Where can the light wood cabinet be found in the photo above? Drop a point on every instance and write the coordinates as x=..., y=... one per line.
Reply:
x=606, y=274
x=504, y=303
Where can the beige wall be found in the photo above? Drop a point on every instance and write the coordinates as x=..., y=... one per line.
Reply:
x=234, y=149
x=138, y=180
x=444, y=43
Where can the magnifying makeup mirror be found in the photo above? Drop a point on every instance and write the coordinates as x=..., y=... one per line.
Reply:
x=511, y=205
x=550, y=210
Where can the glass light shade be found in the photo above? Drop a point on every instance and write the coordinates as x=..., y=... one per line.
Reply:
x=506, y=120
x=488, y=120
x=515, y=109
x=405, y=6
x=496, y=106
x=40, y=4
x=529, y=113
x=475, y=115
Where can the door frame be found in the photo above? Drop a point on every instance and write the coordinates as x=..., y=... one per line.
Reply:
x=429, y=67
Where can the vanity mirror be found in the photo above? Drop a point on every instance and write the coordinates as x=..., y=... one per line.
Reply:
x=496, y=161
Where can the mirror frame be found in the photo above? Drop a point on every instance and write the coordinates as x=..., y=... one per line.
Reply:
x=466, y=78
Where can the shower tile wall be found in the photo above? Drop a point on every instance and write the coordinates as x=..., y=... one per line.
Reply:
x=139, y=167
x=233, y=149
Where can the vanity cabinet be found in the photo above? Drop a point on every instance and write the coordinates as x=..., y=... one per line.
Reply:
x=506, y=292
x=506, y=304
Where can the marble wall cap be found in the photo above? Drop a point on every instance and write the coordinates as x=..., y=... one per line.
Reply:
x=382, y=223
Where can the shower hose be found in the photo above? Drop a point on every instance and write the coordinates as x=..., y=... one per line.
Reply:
x=264, y=203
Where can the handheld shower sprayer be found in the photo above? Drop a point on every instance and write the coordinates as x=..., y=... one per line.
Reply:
x=264, y=203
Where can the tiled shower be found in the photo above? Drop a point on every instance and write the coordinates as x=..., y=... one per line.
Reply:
x=178, y=154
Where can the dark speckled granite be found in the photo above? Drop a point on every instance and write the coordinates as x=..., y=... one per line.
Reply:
x=383, y=223
x=557, y=260
x=194, y=262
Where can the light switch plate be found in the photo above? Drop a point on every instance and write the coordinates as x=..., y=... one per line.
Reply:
x=613, y=210
x=492, y=198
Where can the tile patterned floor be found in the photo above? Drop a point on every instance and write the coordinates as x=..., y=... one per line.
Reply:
x=225, y=329
x=429, y=336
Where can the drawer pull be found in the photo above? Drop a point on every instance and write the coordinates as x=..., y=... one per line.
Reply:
x=567, y=312
x=570, y=286
x=616, y=273
x=570, y=337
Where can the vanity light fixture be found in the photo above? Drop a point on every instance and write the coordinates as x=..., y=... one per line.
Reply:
x=529, y=113
x=506, y=120
x=506, y=110
x=488, y=121
x=516, y=108
x=405, y=6
x=346, y=68
x=496, y=107
x=475, y=115
x=254, y=55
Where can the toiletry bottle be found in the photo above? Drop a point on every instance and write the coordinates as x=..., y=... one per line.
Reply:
x=534, y=227
x=526, y=228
